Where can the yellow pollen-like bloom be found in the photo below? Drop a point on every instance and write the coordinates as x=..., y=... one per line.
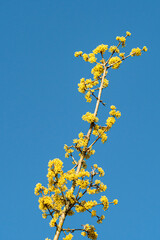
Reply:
x=77, y=54
x=83, y=234
x=122, y=40
x=122, y=55
x=89, y=117
x=113, y=49
x=145, y=49
x=97, y=70
x=68, y=237
x=115, y=62
x=100, y=49
x=85, y=57
x=128, y=33
x=105, y=202
x=113, y=107
x=136, y=52
x=115, y=201
x=93, y=213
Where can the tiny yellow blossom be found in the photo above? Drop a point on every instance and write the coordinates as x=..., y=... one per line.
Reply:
x=85, y=57
x=113, y=107
x=136, y=52
x=83, y=234
x=145, y=49
x=68, y=237
x=128, y=33
x=77, y=54
x=94, y=214
x=89, y=117
x=122, y=55
x=115, y=201
x=97, y=70
x=115, y=62
x=113, y=49
x=100, y=49
x=122, y=40
x=105, y=202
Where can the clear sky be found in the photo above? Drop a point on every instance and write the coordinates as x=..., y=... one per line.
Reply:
x=41, y=110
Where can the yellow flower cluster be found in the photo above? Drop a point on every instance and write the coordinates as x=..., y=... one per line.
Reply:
x=122, y=55
x=53, y=220
x=39, y=188
x=115, y=113
x=94, y=213
x=81, y=142
x=136, y=52
x=70, y=196
x=82, y=86
x=115, y=62
x=110, y=121
x=122, y=40
x=89, y=117
x=105, y=202
x=145, y=49
x=99, y=169
x=100, y=131
x=100, y=49
x=68, y=237
x=88, y=96
x=90, y=204
x=90, y=232
x=128, y=33
x=45, y=203
x=77, y=54
x=113, y=49
x=92, y=58
x=83, y=184
x=87, y=85
x=97, y=71
x=68, y=151
x=80, y=208
x=105, y=83
x=115, y=201
x=85, y=57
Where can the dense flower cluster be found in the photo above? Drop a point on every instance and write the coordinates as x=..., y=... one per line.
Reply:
x=89, y=117
x=136, y=52
x=115, y=62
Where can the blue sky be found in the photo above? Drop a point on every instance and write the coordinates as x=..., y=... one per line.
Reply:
x=41, y=110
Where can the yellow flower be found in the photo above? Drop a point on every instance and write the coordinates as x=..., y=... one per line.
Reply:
x=68, y=237
x=115, y=201
x=115, y=62
x=135, y=52
x=113, y=107
x=122, y=55
x=105, y=202
x=85, y=57
x=97, y=70
x=100, y=49
x=89, y=117
x=83, y=234
x=145, y=49
x=122, y=40
x=128, y=33
x=113, y=49
x=93, y=213
x=77, y=54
